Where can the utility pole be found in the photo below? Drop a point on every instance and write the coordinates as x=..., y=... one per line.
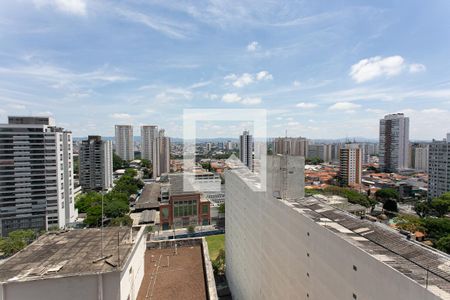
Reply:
x=101, y=230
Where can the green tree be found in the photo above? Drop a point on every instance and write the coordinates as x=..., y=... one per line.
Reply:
x=219, y=263
x=118, y=162
x=93, y=216
x=84, y=201
x=122, y=221
x=115, y=208
x=443, y=244
x=145, y=163
x=222, y=208
x=386, y=194
x=16, y=241
x=422, y=209
x=441, y=206
x=314, y=161
x=191, y=229
x=436, y=228
x=390, y=205
x=409, y=223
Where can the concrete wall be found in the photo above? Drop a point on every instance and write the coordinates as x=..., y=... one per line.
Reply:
x=133, y=271
x=108, y=286
x=275, y=252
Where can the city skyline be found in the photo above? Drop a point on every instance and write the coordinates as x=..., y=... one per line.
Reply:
x=321, y=71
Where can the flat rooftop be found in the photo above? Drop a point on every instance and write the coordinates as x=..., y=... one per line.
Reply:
x=173, y=276
x=149, y=197
x=70, y=253
x=410, y=258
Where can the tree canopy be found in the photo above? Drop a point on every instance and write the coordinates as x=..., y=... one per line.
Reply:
x=386, y=194
x=16, y=241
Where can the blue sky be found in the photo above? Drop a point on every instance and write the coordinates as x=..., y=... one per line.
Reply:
x=322, y=69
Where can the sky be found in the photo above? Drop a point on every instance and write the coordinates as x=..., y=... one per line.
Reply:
x=321, y=69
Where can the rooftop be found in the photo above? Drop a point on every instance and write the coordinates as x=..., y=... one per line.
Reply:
x=174, y=276
x=149, y=197
x=386, y=245
x=70, y=253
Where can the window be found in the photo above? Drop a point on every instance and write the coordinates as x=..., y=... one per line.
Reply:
x=205, y=209
x=165, y=212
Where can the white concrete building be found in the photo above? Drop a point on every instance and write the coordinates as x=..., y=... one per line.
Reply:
x=36, y=175
x=350, y=164
x=394, y=143
x=148, y=137
x=246, y=149
x=161, y=154
x=124, y=144
x=96, y=164
x=419, y=157
x=72, y=265
x=301, y=248
x=439, y=168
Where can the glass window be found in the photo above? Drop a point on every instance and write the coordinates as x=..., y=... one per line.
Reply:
x=205, y=209
x=165, y=212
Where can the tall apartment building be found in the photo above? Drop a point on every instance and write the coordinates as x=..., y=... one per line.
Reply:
x=394, y=143
x=161, y=154
x=96, y=164
x=439, y=168
x=36, y=175
x=292, y=146
x=419, y=157
x=283, y=245
x=322, y=151
x=124, y=144
x=350, y=164
x=148, y=136
x=246, y=149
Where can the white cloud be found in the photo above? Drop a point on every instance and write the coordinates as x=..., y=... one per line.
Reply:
x=253, y=46
x=296, y=83
x=251, y=100
x=167, y=27
x=243, y=80
x=377, y=66
x=231, y=98
x=344, y=106
x=306, y=105
x=75, y=7
x=375, y=111
x=417, y=68
x=371, y=68
x=247, y=78
x=434, y=111
x=264, y=75
x=120, y=116
x=235, y=98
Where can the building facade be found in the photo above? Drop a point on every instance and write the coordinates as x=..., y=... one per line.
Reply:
x=291, y=146
x=301, y=248
x=96, y=164
x=419, y=157
x=124, y=144
x=350, y=164
x=148, y=137
x=36, y=175
x=181, y=206
x=246, y=149
x=161, y=155
x=439, y=168
x=322, y=151
x=394, y=143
